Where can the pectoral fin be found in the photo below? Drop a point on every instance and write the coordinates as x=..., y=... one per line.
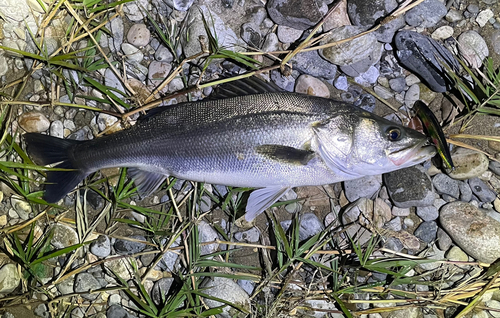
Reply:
x=262, y=199
x=147, y=182
x=286, y=154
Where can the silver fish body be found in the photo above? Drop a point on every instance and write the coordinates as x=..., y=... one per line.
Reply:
x=273, y=141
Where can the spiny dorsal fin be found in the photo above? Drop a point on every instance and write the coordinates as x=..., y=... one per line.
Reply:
x=245, y=86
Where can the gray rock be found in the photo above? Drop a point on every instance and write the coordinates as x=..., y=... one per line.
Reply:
x=250, y=33
x=311, y=63
x=287, y=34
x=120, y=267
x=427, y=231
x=383, y=92
x=117, y=311
x=482, y=190
x=66, y=286
x=161, y=289
x=9, y=278
x=101, y=247
x=4, y=65
x=468, y=164
x=207, y=234
x=495, y=167
x=369, y=77
x=271, y=43
x=397, y=84
x=473, y=48
x=352, y=51
x=57, y=129
x=454, y=15
x=42, y=311
x=443, y=240
x=85, y=282
x=287, y=83
x=427, y=213
x=132, y=53
x=366, y=102
x=365, y=187
x=247, y=285
x=111, y=80
x=139, y=35
x=412, y=95
x=495, y=39
x=465, y=191
x=427, y=14
x=228, y=290
x=472, y=230
x=310, y=225
x=117, y=30
x=251, y=235
x=163, y=54
x=182, y=5
x=409, y=187
x=366, y=13
x=424, y=56
x=341, y=83
x=394, y=224
x=127, y=247
x=63, y=236
x=297, y=14
x=446, y=185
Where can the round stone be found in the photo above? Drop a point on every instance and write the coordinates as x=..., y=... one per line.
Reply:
x=9, y=278
x=472, y=230
x=34, y=122
x=468, y=164
x=309, y=85
x=138, y=35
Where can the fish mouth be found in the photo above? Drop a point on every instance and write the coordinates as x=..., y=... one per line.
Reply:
x=413, y=155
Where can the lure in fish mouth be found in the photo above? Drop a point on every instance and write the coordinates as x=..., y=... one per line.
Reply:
x=261, y=137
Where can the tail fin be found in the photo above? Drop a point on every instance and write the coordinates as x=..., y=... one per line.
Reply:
x=48, y=150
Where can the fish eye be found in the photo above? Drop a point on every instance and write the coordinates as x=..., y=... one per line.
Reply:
x=394, y=134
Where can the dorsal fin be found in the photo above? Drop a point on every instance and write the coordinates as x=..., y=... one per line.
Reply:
x=245, y=86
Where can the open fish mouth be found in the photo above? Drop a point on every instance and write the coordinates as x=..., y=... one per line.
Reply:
x=413, y=155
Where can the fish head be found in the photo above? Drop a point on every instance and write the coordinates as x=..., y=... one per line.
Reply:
x=361, y=143
x=381, y=146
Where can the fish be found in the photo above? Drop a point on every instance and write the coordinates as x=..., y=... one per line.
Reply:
x=252, y=134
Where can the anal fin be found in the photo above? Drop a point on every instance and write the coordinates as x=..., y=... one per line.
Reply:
x=261, y=199
x=146, y=181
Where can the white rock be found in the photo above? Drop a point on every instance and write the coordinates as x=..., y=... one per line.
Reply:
x=34, y=122
x=132, y=53
x=483, y=17
x=412, y=95
x=14, y=10
x=9, y=278
x=309, y=85
x=138, y=35
x=442, y=33
x=473, y=48
x=104, y=121
x=288, y=35
x=4, y=66
x=57, y=129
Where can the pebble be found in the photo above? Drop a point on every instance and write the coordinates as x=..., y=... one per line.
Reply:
x=4, y=65
x=271, y=44
x=341, y=83
x=383, y=92
x=442, y=33
x=482, y=190
x=117, y=30
x=105, y=121
x=427, y=213
x=160, y=290
x=412, y=95
x=394, y=224
x=120, y=266
x=468, y=164
x=34, y=122
x=472, y=230
x=298, y=14
x=250, y=33
x=132, y=54
x=309, y=85
x=63, y=236
x=409, y=187
x=398, y=84
x=287, y=34
x=454, y=15
x=427, y=14
x=57, y=129
x=85, y=282
x=473, y=48
x=42, y=311
x=14, y=10
x=427, y=231
x=182, y=5
x=111, y=80
x=412, y=79
x=400, y=211
x=446, y=185
x=465, y=191
x=365, y=187
x=117, y=311
x=9, y=278
x=313, y=64
x=349, y=52
x=456, y=254
x=101, y=247
x=138, y=35
x=228, y=290
x=66, y=286
x=163, y=54
x=381, y=212
x=251, y=235
x=483, y=17
x=368, y=77
x=496, y=204
x=207, y=234
x=443, y=240
x=126, y=247
x=495, y=39
x=309, y=226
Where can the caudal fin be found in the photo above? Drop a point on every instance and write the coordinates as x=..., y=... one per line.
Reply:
x=49, y=150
